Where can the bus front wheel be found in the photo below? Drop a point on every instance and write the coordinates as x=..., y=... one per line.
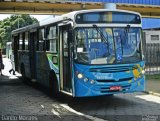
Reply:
x=53, y=84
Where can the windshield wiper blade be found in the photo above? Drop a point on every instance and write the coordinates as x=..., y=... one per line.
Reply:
x=102, y=36
x=101, y=33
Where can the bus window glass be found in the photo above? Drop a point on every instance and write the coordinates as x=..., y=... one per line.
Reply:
x=108, y=46
x=20, y=42
x=65, y=37
x=51, y=39
x=52, y=33
x=41, y=40
x=26, y=40
x=91, y=47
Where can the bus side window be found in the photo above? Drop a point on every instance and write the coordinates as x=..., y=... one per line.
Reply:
x=20, y=41
x=26, y=41
x=41, y=39
x=51, y=39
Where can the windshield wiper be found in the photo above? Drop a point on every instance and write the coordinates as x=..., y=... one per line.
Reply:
x=105, y=39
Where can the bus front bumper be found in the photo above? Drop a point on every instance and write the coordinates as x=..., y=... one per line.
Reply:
x=98, y=89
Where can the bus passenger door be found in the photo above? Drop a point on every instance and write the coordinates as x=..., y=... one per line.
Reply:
x=65, y=58
x=32, y=58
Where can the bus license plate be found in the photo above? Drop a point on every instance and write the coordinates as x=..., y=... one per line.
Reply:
x=115, y=88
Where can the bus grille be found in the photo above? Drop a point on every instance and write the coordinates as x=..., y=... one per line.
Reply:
x=120, y=80
x=113, y=69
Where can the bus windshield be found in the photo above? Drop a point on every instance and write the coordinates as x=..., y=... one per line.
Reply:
x=122, y=45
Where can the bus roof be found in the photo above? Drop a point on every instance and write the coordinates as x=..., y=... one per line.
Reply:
x=25, y=28
x=71, y=15
x=68, y=16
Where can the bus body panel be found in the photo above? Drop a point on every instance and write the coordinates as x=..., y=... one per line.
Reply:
x=130, y=80
x=23, y=57
x=43, y=66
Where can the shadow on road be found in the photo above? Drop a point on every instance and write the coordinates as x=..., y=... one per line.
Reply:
x=28, y=98
x=114, y=107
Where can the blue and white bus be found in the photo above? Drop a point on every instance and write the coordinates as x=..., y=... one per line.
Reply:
x=83, y=53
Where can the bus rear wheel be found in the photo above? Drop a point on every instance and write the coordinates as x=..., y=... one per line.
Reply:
x=53, y=87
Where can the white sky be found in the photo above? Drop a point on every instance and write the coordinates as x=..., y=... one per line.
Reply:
x=38, y=17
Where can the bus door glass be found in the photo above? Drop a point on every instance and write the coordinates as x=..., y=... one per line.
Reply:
x=65, y=63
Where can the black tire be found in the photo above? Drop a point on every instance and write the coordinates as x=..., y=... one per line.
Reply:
x=53, y=87
x=23, y=78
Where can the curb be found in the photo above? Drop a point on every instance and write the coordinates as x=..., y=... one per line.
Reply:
x=152, y=93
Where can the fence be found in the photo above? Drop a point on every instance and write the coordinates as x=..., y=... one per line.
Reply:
x=152, y=57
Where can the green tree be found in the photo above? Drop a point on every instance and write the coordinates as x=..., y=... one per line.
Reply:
x=11, y=23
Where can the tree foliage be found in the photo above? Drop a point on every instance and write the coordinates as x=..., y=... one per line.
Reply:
x=11, y=23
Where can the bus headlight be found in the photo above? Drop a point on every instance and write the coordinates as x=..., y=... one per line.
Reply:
x=85, y=79
x=80, y=76
x=92, y=81
x=143, y=71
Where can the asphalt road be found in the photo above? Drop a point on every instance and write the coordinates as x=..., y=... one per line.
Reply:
x=28, y=101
